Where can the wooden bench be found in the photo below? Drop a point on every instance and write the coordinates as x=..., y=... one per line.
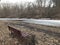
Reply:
x=23, y=37
x=17, y=32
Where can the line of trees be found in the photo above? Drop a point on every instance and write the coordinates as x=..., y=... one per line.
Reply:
x=39, y=9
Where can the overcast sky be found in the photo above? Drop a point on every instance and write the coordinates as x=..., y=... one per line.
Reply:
x=15, y=1
x=19, y=1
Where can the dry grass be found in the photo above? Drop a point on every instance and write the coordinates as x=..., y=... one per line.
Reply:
x=7, y=39
x=45, y=35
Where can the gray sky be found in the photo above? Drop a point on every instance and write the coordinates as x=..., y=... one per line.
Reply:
x=16, y=1
x=20, y=1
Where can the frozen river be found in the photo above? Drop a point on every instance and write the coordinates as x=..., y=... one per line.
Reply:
x=37, y=21
x=44, y=22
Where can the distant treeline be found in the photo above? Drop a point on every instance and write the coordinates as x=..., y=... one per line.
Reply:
x=39, y=9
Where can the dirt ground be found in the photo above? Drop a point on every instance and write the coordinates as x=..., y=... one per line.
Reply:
x=45, y=35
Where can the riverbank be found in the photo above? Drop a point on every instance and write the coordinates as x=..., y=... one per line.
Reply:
x=45, y=35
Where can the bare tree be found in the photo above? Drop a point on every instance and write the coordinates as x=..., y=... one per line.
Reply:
x=39, y=2
x=57, y=2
